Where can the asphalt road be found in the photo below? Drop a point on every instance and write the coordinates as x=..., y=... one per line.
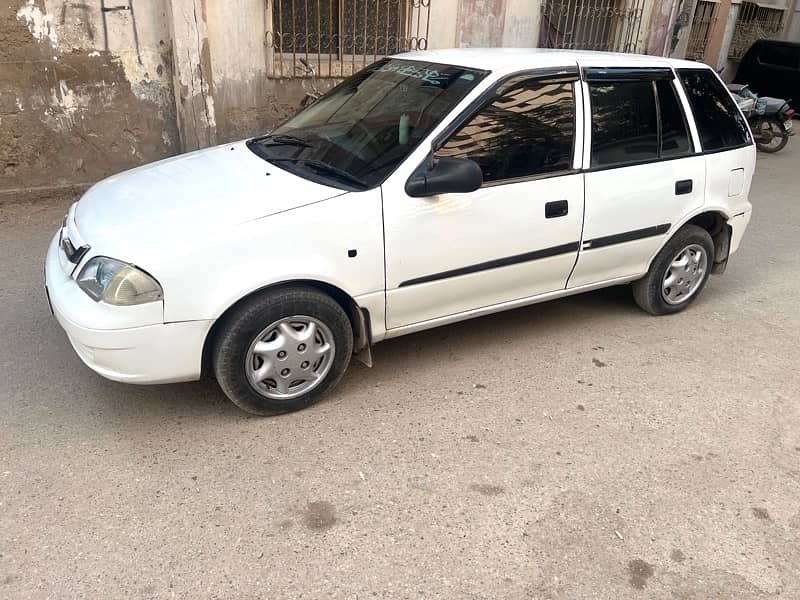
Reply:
x=575, y=449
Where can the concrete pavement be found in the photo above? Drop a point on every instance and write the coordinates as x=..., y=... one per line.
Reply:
x=575, y=449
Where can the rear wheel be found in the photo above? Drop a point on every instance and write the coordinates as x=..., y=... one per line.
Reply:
x=770, y=135
x=282, y=350
x=678, y=273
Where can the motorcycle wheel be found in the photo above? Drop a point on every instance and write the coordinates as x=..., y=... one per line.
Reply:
x=770, y=135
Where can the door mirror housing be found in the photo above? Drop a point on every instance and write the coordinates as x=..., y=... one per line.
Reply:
x=446, y=176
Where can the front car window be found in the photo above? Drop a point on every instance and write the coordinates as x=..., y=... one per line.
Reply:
x=528, y=129
x=359, y=132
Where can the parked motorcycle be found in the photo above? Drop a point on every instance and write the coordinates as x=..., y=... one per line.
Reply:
x=314, y=94
x=770, y=118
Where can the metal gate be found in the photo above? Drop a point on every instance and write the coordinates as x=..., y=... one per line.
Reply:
x=339, y=37
x=610, y=25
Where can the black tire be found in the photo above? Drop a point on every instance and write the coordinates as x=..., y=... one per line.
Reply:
x=784, y=137
x=647, y=291
x=245, y=322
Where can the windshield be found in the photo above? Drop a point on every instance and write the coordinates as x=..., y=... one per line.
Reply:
x=356, y=134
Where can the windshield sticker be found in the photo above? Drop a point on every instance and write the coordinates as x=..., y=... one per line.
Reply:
x=430, y=76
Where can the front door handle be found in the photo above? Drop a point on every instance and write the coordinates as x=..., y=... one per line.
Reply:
x=683, y=187
x=558, y=208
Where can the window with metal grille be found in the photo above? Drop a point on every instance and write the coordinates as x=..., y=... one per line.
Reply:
x=339, y=37
x=752, y=23
x=705, y=17
x=609, y=25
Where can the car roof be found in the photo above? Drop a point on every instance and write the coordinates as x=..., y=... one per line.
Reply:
x=511, y=59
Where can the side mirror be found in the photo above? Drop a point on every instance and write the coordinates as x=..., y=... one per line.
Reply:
x=447, y=176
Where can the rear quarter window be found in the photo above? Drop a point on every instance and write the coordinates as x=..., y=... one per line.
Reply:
x=719, y=122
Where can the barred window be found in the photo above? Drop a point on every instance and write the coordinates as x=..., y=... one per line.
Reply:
x=752, y=23
x=610, y=25
x=339, y=37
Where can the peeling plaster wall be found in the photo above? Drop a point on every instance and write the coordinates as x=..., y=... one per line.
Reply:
x=196, y=113
x=81, y=98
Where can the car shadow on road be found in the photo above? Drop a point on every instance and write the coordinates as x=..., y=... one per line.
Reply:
x=492, y=332
x=203, y=400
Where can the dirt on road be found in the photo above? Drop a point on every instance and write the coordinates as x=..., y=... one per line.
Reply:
x=574, y=449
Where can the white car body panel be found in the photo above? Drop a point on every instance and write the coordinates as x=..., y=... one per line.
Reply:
x=144, y=213
x=418, y=228
x=124, y=343
x=627, y=199
x=289, y=246
x=216, y=225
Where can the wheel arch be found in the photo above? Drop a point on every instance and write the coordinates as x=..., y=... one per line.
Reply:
x=359, y=317
x=715, y=222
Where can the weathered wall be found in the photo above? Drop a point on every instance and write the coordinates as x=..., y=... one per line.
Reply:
x=84, y=93
x=792, y=29
x=78, y=99
x=681, y=28
x=223, y=91
x=246, y=101
x=661, y=20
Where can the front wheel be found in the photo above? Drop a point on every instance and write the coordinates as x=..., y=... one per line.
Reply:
x=677, y=274
x=771, y=135
x=280, y=351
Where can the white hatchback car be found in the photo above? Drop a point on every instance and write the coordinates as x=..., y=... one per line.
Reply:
x=428, y=188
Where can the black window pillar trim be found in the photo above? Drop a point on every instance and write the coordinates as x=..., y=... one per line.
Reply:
x=619, y=74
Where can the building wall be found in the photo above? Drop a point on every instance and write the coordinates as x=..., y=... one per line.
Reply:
x=84, y=94
x=680, y=28
x=77, y=100
x=792, y=31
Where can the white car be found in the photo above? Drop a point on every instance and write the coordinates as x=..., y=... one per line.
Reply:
x=428, y=188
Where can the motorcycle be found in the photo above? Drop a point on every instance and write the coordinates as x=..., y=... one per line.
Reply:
x=313, y=95
x=770, y=119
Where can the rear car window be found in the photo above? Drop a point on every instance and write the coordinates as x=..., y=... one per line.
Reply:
x=624, y=123
x=719, y=122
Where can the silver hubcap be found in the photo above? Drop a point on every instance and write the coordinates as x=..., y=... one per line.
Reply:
x=684, y=275
x=290, y=357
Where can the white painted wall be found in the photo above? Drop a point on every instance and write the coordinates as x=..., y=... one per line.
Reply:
x=522, y=22
x=444, y=18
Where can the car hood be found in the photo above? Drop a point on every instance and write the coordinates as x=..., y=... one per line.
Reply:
x=191, y=196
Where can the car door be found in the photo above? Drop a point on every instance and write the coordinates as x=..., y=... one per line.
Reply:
x=517, y=236
x=643, y=172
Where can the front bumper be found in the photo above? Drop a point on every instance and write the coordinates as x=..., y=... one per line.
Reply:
x=106, y=340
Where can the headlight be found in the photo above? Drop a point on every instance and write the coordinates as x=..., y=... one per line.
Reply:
x=118, y=283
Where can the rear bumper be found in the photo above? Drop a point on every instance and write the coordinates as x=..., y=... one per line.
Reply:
x=738, y=225
x=153, y=353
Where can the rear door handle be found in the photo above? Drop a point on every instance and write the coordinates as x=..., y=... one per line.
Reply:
x=683, y=187
x=558, y=208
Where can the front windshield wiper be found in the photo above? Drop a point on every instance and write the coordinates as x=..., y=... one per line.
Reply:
x=324, y=168
x=282, y=140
